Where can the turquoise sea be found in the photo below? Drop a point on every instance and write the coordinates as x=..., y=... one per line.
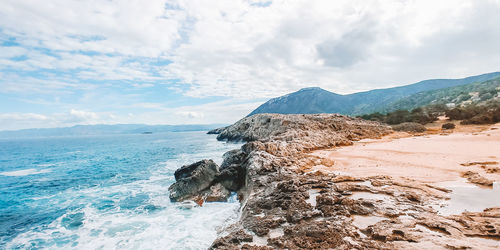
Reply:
x=105, y=192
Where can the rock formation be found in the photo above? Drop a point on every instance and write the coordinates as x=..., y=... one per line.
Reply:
x=286, y=207
x=198, y=182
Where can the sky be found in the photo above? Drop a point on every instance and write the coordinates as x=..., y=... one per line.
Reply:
x=67, y=62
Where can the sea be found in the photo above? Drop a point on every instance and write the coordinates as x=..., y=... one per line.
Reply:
x=106, y=192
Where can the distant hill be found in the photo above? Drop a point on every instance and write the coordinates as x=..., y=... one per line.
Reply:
x=317, y=100
x=470, y=93
x=105, y=130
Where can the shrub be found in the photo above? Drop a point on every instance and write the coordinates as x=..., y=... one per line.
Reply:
x=448, y=125
x=374, y=117
x=479, y=119
x=422, y=115
x=397, y=117
x=496, y=114
x=421, y=118
x=464, y=113
x=409, y=127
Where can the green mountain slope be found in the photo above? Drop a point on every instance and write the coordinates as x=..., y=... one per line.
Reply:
x=317, y=100
x=469, y=93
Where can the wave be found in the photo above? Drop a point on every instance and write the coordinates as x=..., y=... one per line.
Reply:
x=24, y=172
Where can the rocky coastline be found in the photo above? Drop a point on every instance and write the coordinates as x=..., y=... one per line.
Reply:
x=285, y=205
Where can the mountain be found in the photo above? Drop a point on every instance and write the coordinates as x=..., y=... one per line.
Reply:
x=478, y=92
x=102, y=129
x=317, y=100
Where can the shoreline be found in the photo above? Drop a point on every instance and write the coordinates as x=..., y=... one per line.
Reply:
x=427, y=157
x=299, y=192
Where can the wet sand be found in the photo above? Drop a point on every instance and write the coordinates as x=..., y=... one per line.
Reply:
x=429, y=158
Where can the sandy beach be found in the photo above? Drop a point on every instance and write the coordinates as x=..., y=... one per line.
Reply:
x=429, y=158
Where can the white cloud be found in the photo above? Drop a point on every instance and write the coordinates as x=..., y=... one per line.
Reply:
x=227, y=111
x=190, y=114
x=80, y=116
x=238, y=49
x=124, y=27
x=25, y=116
x=14, y=121
x=344, y=46
x=242, y=49
x=14, y=51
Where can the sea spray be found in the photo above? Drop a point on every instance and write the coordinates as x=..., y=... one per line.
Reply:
x=106, y=192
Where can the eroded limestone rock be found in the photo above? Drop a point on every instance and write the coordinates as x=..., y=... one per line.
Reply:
x=193, y=178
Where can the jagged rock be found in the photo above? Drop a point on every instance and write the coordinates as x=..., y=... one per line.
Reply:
x=215, y=131
x=283, y=207
x=235, y=156
x=191, y=179
x=232, y=177
x=266, y=174
x=202, y=181
x=476, y=178
x=232, y=239
x=320, y=129
x=216, y=192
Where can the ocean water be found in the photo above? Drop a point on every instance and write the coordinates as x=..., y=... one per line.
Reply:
x=105, y=192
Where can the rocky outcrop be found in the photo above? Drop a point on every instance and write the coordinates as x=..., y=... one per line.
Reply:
x=276, y=135
x=312, y=131
x=192, y=179
x=476, y=178
x=215, y=131
x=264, y=173
x=285, y=206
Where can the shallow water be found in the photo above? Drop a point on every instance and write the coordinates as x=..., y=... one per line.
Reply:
x=313, y=193
x=363, y=221
x=469, y=197
x=367, y=196
x=105, y=192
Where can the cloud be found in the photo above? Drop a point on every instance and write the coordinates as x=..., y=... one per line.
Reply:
x=14, y=121
x=80, y=116
x=190, y=114
x=249, y=49
x=26, y=116
x=122, y=27
x=227, y=111
x=344, y=46
x=349, y=49
x=163, y=58
x=13, y=51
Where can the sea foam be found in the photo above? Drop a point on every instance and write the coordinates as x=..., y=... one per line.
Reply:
x=24, y=172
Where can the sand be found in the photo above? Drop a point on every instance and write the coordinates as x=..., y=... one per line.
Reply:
x=429, y=158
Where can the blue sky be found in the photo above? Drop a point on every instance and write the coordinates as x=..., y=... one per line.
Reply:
x=67, y=62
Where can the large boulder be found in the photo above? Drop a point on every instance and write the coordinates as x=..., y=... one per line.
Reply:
x=232, y=173
x=235, y=156
x=232, y=177
x=191, y=179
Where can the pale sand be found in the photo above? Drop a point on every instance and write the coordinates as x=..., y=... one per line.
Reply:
x=432, y=157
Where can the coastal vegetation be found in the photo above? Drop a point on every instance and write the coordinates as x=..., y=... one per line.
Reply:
x=421, y=115
x=474, y=93
x=487, y=112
